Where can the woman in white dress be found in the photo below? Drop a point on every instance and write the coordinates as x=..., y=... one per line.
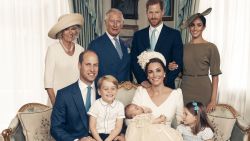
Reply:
x=61, y=61
x=161, y=99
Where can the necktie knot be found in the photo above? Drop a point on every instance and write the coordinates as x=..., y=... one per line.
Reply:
x=89, y=88
x=118, y=47
x=153, y=39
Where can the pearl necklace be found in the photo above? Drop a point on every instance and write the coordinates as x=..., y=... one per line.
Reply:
x=65, y=49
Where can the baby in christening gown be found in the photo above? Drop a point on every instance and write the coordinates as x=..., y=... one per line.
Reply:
x=142, y=126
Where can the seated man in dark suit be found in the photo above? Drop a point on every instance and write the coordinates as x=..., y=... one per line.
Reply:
x=69, y=119
x=111, y=50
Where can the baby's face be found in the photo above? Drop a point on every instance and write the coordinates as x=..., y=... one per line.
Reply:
x=135, y=110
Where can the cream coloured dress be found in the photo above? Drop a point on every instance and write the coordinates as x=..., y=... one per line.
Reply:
x=61, y=69
x=142, y=129
x=172, y=107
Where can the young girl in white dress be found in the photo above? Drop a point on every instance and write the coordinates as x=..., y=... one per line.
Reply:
x=142, y=126
x=196, y=126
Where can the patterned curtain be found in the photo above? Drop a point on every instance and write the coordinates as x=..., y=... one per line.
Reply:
x=185, y=9
x=92, y=13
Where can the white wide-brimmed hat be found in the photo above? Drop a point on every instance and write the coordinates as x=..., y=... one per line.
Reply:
x=187, y=22
x=64, y=22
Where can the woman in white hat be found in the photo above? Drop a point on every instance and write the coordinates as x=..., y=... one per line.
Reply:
x=200, y=58
x=62, y=57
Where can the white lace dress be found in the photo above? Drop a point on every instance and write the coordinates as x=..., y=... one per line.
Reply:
x=187, y=134
x=141, y=128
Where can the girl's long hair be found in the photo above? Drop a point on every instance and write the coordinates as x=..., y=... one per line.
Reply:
x=200, y=113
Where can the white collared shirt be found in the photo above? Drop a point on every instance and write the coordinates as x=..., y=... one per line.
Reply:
x=106, y=114
x=83, y=88
x=112, y=38
x=158, y=31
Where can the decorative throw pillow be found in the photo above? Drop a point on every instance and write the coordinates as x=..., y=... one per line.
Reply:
x=36, y=125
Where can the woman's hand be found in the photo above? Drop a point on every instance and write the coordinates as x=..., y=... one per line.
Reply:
x=172, y=66
x=211, y=106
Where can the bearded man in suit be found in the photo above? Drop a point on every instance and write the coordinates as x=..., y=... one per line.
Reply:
x=157, y=37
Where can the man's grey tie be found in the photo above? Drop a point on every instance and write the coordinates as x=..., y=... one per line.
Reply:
x=153, y=40
x=88, y=99
x=118, y=47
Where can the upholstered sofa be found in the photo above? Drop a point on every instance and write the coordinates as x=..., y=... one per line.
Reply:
x=32, y=122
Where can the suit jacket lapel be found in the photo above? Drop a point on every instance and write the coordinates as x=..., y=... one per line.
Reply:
x=162, y=37
x=77, y=96
x=110, y=47
x=146, y=37
x=124, y=48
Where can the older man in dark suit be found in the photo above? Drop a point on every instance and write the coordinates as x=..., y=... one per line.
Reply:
x=111, y=50
x=157, y=37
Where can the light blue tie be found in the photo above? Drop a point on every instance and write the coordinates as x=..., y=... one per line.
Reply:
x=88, y=98
x=118, y=47
x=153, y=40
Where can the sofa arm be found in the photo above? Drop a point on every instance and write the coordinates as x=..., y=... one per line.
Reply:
x=243, y=124
x=241, y=131
x=6, y=134
x=14, y=131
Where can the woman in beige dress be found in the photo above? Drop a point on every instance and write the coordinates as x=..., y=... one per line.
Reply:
x=200, y=59
x=61, y=67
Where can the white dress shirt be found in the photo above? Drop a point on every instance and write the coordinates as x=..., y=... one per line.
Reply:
x=106, y=114
x=158, y=31
x=83, y=88
x=112, y=38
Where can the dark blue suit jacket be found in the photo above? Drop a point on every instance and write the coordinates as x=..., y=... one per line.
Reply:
x=169, y=44
x=109, y=61
x=69, y=119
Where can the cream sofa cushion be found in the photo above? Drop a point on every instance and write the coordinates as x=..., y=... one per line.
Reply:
x=36, y=125
x=126, y=92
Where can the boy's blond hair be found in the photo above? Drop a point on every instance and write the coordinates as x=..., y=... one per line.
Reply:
x=108, y=78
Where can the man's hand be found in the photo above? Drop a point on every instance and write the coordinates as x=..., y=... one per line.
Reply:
x=172, y=66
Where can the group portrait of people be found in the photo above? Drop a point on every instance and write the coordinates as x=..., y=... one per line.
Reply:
x=82, y=84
